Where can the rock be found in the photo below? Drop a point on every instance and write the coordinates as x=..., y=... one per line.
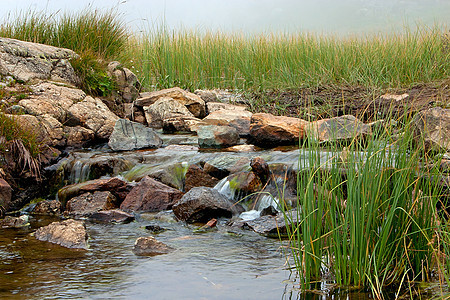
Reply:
x=68, y=233
x=338, y=128
x=155, y=229
x=201, y=204
x=165, y=108
x=129, y=135
x=213, y=136
x=26, y=61
x=181, y=124
x=432, y=128
x=224, y=165
x=127, y=84
x=191, y=101
x=196, y=176
x=5, y=194
x=241, y=148
x=117, y=187
x=78, y=136
x=394, y=97
x=47, y=207
x=218, y=95
x=215, y=106
x=111, y=216
x=47, y=130
x=14, y=222
x=208, y=227
x=260, y=168
x=93, y=114
x=245, y=183
x=149, y=196
x=267, y=130
x=272, y=226
x=149, y=246
x=181, y=148
x=239, y=119
x=88, y=203
x=172, y=175
x=54, y=100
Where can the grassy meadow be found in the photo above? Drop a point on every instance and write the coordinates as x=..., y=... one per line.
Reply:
x=377, y=225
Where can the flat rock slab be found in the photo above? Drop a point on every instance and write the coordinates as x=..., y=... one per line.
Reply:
x=273, y=225
x=112, y=216
x=90, y=203
x=149, y=246
x=69, y=233
x=128, y=135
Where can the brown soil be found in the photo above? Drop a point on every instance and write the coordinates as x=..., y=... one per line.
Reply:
x=364, y=103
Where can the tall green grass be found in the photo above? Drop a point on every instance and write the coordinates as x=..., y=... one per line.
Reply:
x=369, y=216
x=216, y=60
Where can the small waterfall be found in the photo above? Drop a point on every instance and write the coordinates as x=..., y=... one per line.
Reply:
x=223, y=187
x=79, y=172
x=267, y=200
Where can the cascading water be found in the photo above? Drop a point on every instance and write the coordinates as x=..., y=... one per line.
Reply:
x=79, y=171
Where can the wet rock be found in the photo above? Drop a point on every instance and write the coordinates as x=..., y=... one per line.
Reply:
x=149, y=246
x=201, y=204
x=47, y=207
x=212, y=136
x=260, y=168
x=215, y=106
x=129, y=135
x=432, y=128
x=68, y=233
x=5, y=194
x=150, y=195
x=239, y=119
x=93, y=114
x=245, y=183
x=111, y=216
x=155, y=229
x=172, y=175
x=117, y=187
x=267, y=130
x=338, y=128
x=241, y=148
x=182, y=124
x=26, y=61
x=196, y=176
x=89, y=203
x=127, y=84
x=14, y=222
x=181, y=148
x=208, y=227
x=272, y=226
x=224, y=165
x=78, y=136
x=165, y=108
x=191, y=101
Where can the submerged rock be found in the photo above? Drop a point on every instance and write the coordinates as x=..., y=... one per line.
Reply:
x=129, y=135
x=68, y=233
x=149, y=246
x=150, y=196
x=201, y=204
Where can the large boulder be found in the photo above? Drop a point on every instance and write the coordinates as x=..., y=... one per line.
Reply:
x=26, y=61
x=150, y=196
x=338, y=128
x=432, y=127
x=129, y=135
x=90, y=203
x=68, y=233
x=93, y=114
x=267, y=130
x=165, y=108
x=5, y=194
x=149, y=246
x=201, y=204
x=212, y=136
x=239, y=119
x=191, y=101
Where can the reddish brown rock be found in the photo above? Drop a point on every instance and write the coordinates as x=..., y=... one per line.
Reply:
x=149, y=196
x=267, y=130
x=5, y=194
x=149, y=246
x=225, y=165
x=47, y=207
x=196, y=176
x=245, y=182
x=89, y=203
x=111, y=216
x=68, y=233
x=239, y=119
x=261, y=168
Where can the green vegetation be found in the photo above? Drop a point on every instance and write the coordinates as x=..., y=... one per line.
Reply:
x=375, y=225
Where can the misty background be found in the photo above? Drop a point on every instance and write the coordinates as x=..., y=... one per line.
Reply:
x=255, y=16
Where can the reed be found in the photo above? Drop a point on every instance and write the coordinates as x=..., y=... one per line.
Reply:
x=369, y=215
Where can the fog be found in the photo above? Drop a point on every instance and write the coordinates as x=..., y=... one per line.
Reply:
x=253, y=16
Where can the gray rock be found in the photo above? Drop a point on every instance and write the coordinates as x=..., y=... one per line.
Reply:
x=127, y=83
x=26, y=61
x=111, y=216
x=90, y=203
x=432, y=127
x=68, y=233
x=212, y=136
x=272, y=226
x=338, y=128
x=239, y=119
x=165, y=108
x=225, y=165
x=149, y=246
x=215, y=106
x=129, y=135
x=201, y=204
